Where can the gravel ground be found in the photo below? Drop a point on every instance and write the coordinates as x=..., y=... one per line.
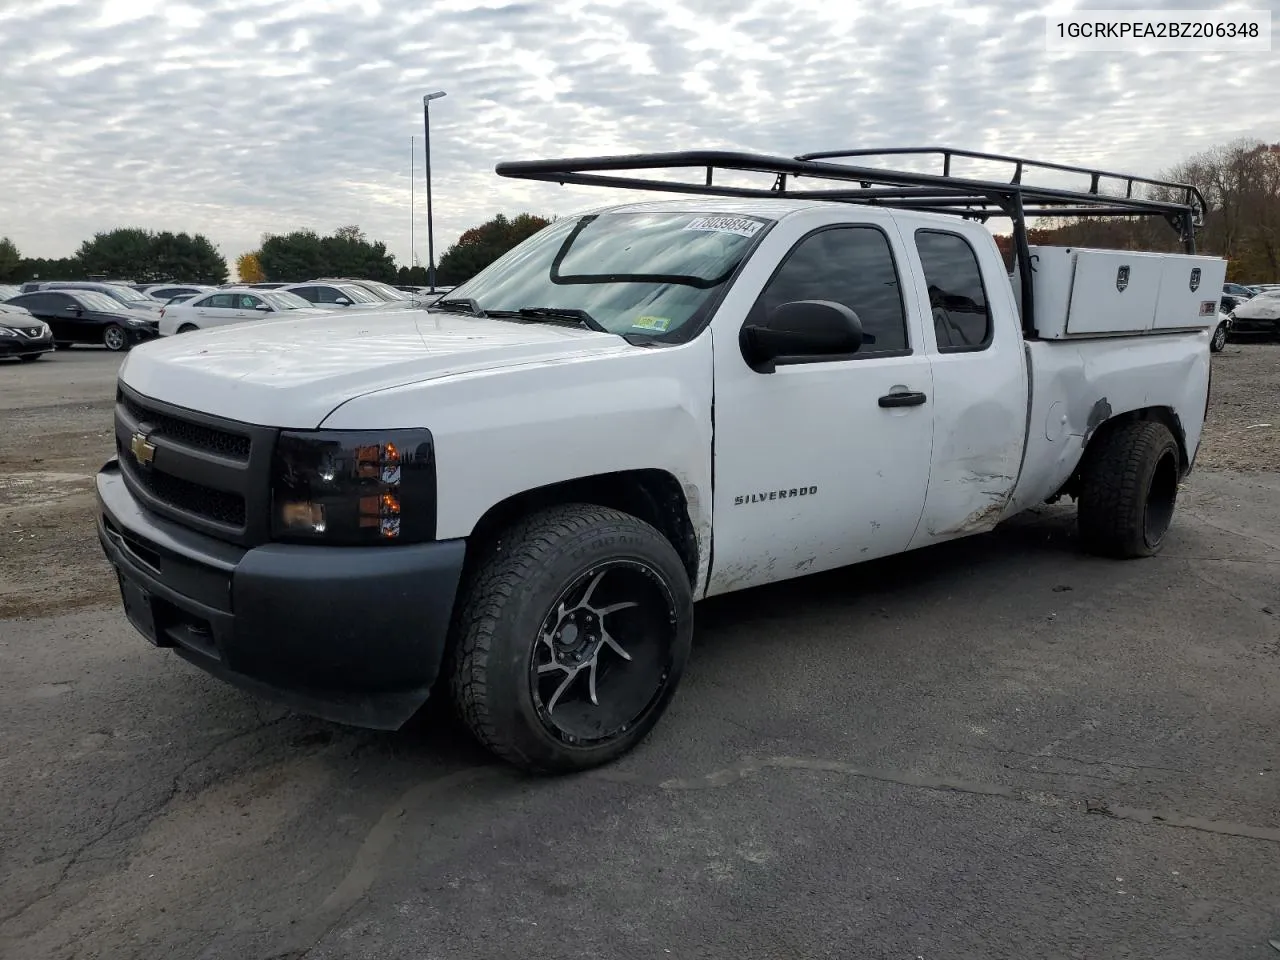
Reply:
x=1242, y=430
x=997, y=748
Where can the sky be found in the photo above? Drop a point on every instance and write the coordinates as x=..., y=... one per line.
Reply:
x=236, y=118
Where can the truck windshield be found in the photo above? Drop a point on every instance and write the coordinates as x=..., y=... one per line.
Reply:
x=644, y=274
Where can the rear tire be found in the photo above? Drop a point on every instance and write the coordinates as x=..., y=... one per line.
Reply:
x=1129, y=486
x=1219, y=340
x=115, y=339
x=567, y=597
x=187, y=328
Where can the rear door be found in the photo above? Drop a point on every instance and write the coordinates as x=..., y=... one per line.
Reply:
x=974, y=341
x=819, y=465
x=216, y=309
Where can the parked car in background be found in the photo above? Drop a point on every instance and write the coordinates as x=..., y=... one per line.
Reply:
x=231, y=306
x=1218, y=342
x=22, y=335
x=88, y=316
x=393, y=296
x=1260, y=314
x=126, y=296
x=8, y=291
x=265, y=286
x=1233, y=294
x=165, y=292
x=337, y=296
x=1258, y=288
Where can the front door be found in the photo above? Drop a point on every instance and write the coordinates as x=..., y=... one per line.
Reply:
x=819, y=465
x=65, y=316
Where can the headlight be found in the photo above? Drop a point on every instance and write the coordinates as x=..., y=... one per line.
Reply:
x=353, y=487
x=6, y=332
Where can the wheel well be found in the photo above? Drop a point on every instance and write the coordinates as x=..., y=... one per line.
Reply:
x=653, y=496
x=1165, y=415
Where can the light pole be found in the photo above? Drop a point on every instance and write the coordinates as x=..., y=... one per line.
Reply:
x=413, y=156
x=426, y=127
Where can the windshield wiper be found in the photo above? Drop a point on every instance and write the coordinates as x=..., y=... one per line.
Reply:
x=459, y=305
x=568, y=315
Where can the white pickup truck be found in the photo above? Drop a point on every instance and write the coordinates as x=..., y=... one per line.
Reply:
x=516, y=496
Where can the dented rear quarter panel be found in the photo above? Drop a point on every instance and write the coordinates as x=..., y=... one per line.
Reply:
x=1077, y=386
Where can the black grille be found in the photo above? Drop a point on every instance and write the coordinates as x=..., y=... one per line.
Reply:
x=220, y=506
x=226, y=444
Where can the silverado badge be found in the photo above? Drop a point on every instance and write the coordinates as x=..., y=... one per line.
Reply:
x=1122, y=278
x=143, y=451
x=1195, y=279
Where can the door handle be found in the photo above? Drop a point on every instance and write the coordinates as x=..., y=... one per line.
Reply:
x=909, y=398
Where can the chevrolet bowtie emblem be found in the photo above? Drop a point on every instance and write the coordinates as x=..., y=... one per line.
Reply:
x=143, y=451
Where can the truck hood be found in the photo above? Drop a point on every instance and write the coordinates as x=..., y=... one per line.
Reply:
x=293, y=373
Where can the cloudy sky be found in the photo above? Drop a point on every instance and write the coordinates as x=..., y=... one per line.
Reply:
x=239, y=117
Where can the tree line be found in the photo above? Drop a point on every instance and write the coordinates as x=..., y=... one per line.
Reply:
x=141, y=256
x=129, y=253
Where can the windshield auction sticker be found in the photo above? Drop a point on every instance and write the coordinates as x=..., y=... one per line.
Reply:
x=660, y=324
x=739, y=225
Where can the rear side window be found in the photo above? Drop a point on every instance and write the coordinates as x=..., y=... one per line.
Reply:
x=957, y=298
x=850, y=265
x=219, y=301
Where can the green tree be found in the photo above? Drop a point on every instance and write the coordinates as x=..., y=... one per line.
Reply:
x=480, y=246
x=10, y=259
x=132, y=253
x=412, y=276
x=305, y=255
x=40, y=268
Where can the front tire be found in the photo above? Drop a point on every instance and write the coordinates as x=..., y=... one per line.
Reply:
x=1129, y=486
x=115, y=339
x=1219, y=340
x=31, y=357
x=571, y=638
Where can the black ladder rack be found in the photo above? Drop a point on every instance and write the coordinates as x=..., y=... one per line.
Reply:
x=943, y=192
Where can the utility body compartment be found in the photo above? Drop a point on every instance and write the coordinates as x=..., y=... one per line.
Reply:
x=1091, y=293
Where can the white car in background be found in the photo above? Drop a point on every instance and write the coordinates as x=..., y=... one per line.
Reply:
x=383, y=291
x=235, y=305
x=337, y=295
x=165, y=292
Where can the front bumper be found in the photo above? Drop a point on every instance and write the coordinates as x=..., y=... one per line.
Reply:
x=23, y=346
x=355, y=635
x=1255, y=325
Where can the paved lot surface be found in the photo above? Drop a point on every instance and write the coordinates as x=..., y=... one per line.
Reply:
x=996, y=748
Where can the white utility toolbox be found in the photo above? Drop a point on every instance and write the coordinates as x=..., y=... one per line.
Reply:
x=1091, y=293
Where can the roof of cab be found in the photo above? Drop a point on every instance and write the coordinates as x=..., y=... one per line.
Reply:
x=769, y=208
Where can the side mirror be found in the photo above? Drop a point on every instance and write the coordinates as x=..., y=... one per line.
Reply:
x=803, y=331
x=71, y=308
x=263, y=307
x=343, y=302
